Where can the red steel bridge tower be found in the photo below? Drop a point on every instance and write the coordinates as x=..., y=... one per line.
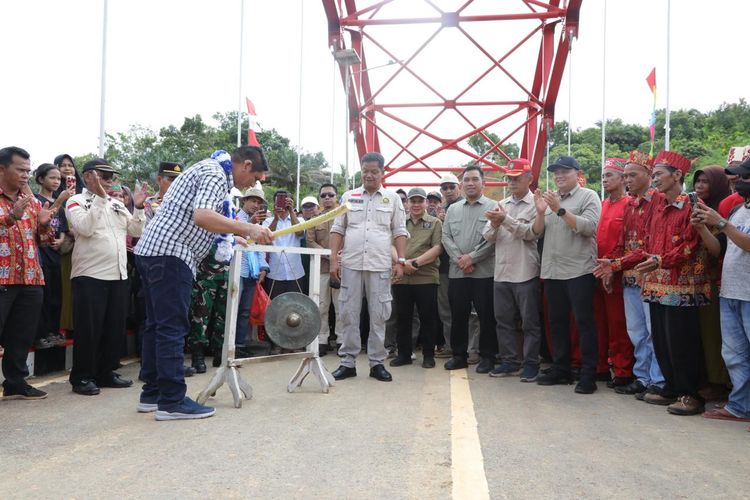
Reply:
x=430, y=74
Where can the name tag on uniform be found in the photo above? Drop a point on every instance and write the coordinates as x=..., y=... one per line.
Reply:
x=356, y=200
x=426, y=225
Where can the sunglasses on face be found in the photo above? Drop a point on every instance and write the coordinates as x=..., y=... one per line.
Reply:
x=106, y=175
x=448, y=187
x=327, y=195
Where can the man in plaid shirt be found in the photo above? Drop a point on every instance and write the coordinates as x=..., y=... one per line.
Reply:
x=178, y=237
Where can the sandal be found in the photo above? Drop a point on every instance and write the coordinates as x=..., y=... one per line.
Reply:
x=723, y=414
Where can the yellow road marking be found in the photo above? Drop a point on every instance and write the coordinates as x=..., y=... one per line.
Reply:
x=467, y=462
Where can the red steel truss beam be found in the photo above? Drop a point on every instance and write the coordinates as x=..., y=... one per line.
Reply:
x=356, y=26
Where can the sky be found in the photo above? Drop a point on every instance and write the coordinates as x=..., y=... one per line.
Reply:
x=167, y=59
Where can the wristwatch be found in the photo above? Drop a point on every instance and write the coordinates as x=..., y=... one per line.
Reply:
x=721, y=225
x=415, y=264
x=561, y=212
x=401, y=261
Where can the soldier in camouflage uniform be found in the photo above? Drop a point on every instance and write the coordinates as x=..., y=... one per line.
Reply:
x=209, y=304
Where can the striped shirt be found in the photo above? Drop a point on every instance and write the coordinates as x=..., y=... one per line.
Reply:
x=172, y=231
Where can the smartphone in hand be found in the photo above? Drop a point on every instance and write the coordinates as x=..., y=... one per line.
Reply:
x=70, y=182
x=693, y=197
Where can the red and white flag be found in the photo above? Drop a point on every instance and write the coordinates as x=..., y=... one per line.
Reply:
x=252, y=125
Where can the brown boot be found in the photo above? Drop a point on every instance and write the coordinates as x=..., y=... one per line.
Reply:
x=686, y=405
x=658, y=399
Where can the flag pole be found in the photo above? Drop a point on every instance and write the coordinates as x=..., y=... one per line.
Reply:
x=299, y=104
x=104, y=80
x=666, y=123
x=239, y=82
x=604, y=92
x=333, y=119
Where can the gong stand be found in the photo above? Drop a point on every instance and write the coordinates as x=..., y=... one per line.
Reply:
x=228, y=372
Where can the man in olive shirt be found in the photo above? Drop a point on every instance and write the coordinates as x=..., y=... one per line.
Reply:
x=517, y=292
x=568, y=220
x=471, y=272
x=317, y=237
x=420, y=282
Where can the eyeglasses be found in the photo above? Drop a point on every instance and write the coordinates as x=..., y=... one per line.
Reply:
x=448, y=187
x=308, y=206
x=327, y=195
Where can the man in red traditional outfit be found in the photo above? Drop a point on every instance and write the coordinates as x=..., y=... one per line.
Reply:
x=627, y=253
x=609, y=308
x=675, y=285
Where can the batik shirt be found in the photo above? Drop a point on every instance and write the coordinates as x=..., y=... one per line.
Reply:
x=19, y=243
x=629, y=249
x=681, y=279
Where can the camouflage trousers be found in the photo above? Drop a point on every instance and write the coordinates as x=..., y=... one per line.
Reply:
x=208, y=305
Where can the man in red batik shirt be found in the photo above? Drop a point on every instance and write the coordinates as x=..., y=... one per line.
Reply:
x=627, y=253
x=609, y=308
x=24, y=225
x=675, y=285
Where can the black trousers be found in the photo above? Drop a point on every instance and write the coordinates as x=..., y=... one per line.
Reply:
x=678, y=348
x=20, y=306
x=404, y=299
x=277, y=287
x=462, y=293
x=562, y=296
x=99, y=311
x=49, y=322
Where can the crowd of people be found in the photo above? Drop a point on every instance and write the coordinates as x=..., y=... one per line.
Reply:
x=644, y=290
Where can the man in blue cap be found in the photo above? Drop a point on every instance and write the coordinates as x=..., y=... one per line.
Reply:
x=568, y=219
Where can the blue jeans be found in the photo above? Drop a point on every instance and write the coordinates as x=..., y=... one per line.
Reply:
x=638, y=319
x=735, y=349
x=243, y=315
x=167, y=282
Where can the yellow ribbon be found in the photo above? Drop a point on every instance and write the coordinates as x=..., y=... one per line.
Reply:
x=315, y=221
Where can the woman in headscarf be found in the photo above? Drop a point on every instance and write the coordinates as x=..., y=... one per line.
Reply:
x=67, y=167
x=712, y=185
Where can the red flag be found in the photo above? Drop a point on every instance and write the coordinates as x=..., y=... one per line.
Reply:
x=252, y=140
x=651, y=80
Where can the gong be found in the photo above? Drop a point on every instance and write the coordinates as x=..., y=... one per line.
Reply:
x=292, y=320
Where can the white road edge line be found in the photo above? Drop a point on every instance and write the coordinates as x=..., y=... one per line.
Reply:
x=467, y=462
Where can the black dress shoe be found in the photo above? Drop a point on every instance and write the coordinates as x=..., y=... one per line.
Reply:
x=456, y=363
x=631, y=388
x=343, y=372
x=428, y=362
x=189, y=371
x=585, y=387
x=554, y=378
x=619, y=382
x=486, y=365
x=380, y=373
x=400, y=361
x=86, y=387
x=322, y=350
x=115, y=381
